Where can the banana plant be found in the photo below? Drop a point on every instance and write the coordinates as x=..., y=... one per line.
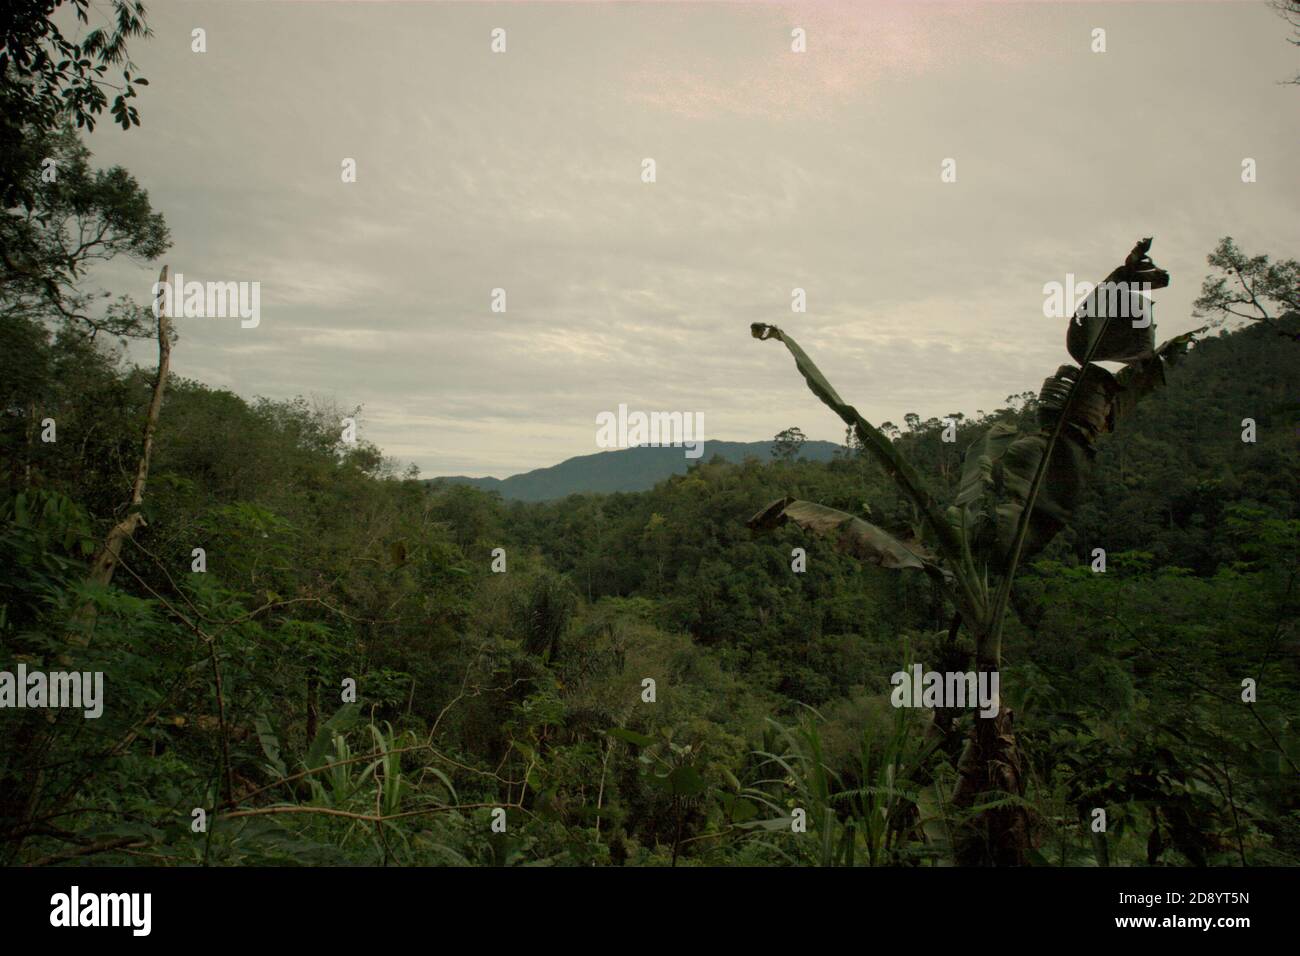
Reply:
x=1016, y=491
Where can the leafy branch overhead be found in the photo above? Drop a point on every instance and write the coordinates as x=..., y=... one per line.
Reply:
x=48, y=78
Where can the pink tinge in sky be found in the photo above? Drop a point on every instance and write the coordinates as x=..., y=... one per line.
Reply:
x=851, y=47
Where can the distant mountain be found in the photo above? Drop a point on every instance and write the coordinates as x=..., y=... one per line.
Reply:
x=627, y=469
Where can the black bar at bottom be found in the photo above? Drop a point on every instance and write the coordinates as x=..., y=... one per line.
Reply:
x=338, y=906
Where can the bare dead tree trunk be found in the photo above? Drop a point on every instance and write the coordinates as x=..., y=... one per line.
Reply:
x=110, y=553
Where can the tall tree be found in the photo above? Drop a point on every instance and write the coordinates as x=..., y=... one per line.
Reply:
x=1251, y=288
x=78, y=216
x=787, y=443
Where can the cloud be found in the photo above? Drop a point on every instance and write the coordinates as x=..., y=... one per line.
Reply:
x=775, y=170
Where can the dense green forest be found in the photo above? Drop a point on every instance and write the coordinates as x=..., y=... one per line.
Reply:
x=311, y=656
x=523, y=690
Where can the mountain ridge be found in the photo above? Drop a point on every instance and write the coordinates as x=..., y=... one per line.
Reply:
x=623, y=469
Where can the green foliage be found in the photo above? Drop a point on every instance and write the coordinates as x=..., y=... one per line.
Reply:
x=523, y=691
x=47, y=78
x=1249, y=288
x=83, y=217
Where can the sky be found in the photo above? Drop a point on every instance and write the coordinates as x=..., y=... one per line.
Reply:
x=774, y=170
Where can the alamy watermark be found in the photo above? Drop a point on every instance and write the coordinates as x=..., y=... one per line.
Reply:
x=656, y=429
x=949, y=689
x=22, y=689
x=1118, y=300
x=210, y=300
x=75, y=908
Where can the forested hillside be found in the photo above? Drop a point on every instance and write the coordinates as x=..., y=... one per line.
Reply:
x=228, y=672
x=232, y=632
x=626, y=469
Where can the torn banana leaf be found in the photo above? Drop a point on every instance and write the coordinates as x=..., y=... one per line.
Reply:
x=1117, y=314
x=851, y=534
x=1090, y=415
x=1140, y=379
x=898, y=468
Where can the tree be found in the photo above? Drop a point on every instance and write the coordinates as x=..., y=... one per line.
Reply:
x=82, y=217
x=787, y=443
x=110, y=553
x=47, y=78
x=1250, y=288
x=1017, y=490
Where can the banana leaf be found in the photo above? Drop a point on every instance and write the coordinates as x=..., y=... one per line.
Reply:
x=851, y=534
x=1090, y=415
x=1113, y=322
x=896, y=466
x=1140, y=379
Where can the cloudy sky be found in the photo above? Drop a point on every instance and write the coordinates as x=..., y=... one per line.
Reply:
x=775, y=170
